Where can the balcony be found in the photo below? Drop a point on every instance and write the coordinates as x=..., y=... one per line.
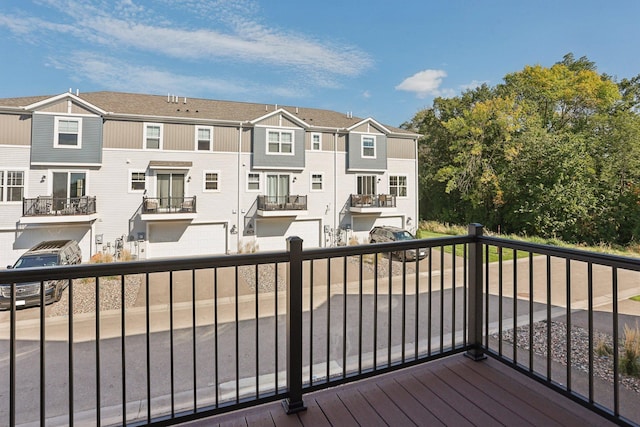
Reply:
x=168, y=208
x=338, y=335
x=279, y=206
x=372, y=203
x=47, y=209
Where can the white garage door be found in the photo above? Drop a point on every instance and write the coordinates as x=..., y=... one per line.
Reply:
x=365, y=223
x=31, y=235
x=272, y=233
x=171, y=239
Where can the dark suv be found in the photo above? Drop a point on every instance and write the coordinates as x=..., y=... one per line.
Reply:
x=388, y=233
x=44, y=254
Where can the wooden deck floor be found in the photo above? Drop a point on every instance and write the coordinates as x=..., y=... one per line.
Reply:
x=450, y=392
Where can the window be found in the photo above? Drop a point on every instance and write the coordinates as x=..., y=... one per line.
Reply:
x=280, y=142
x=316, y=182
x=68, y=133
x=137, y=181
x=253, y=182
x=368, y=146
x=153, y=136
x=316, y=141
x=11, y=186
x=211, y=181
x=398, y=185
x=204, y=138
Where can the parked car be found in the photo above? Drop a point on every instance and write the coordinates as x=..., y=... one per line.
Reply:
x=388, y=233
x=44, y=254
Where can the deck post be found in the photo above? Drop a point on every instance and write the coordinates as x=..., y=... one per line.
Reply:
x=475, y=295
x=294, y=403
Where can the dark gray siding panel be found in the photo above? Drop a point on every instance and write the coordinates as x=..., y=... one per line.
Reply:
x=354, y=157
x=42, y=150
x=271, y=161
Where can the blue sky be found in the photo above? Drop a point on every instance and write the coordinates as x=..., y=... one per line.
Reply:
x=380, y=59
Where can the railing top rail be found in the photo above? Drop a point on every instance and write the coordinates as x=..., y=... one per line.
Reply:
x=139, y=267
x=567, y=253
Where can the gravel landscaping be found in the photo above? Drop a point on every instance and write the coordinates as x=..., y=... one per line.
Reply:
x=84, y=295
x=602, y=363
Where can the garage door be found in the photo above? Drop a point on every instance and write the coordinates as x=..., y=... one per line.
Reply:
x=366, y=223
x=272, y=233
x=32, y=235
x=171, y=239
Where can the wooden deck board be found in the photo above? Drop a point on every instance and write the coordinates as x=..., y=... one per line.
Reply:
x=334, y=410
x=453, y=392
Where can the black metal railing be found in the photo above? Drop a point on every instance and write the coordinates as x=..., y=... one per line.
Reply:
x=166, y=341
x=282, y=203
x=163, y=205
x=372, y=201
x=52, y=206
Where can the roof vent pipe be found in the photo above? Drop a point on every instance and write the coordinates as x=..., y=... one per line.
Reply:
x=168, y=98
x=185, y=100
x=77, y=92
x=276, y=106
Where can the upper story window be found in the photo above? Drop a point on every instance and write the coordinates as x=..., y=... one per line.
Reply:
x=398, y=185
x=68, y=132
x=11, y=186
x=204, y=138
x=368, y=146
x=153, y=136
x=137, y=181
x=211, y=181
x=253, y=182
x=316, y=141
x=316, y=182
x=280, y=142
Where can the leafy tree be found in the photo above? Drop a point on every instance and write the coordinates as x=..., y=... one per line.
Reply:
x=552, y=151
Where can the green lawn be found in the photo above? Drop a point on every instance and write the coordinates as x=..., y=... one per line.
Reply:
x=507, y=254
x=636, y=298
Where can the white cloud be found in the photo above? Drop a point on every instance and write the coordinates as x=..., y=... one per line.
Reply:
x=122, y=76
x=366, y=94
x=424, y=83
x=232, y=32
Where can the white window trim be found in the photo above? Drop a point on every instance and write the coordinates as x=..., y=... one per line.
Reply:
x=204, y=181
x=406, y=185
x=25, y=180
x=375, y=151
x=56, y=134
x=210, y=129
x=144, y=136
x=130, y=181
x=311, y=181
x=280, y=153
x=320, y=141
x=259, y=183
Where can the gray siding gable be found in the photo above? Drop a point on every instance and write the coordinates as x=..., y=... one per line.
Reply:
x=355, y=161
x=277, y=161
x=43, y=151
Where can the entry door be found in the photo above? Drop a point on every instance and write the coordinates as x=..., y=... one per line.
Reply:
x=277, y=188
x=68, y=187
x=170, y=189
x=367, y=184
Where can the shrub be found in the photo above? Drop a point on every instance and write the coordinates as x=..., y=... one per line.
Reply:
x=630, y=358
x=101, y=257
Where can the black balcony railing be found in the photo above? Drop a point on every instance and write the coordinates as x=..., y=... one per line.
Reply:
x=52, y=206
x=212, y=334
x=372, y=201
x=163, y=205
x=282, y=203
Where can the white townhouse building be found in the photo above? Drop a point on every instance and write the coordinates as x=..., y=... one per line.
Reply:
x=175, y=176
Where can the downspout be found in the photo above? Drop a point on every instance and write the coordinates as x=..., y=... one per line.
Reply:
x=335, y=187
x=238, y=214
